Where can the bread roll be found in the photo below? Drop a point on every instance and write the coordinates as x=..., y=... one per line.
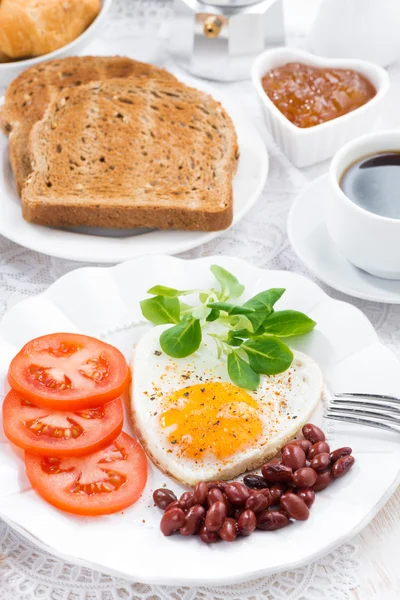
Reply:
x=36, y=27
x=3, y=57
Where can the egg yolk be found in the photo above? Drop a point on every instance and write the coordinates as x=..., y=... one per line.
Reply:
x=217, y=418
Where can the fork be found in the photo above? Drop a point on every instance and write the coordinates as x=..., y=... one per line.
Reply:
x=374, y=410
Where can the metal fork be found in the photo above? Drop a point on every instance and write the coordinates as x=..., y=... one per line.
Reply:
x=374, y=410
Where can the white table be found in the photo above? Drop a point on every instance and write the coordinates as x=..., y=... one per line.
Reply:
x=365, y=569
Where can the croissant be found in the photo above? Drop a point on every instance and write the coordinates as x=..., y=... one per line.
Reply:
x=36, y=27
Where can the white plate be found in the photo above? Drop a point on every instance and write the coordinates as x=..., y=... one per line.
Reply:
x=312, y=243
x=115, y=246
x=104, y=303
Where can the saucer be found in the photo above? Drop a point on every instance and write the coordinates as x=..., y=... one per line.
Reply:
x=312, y=243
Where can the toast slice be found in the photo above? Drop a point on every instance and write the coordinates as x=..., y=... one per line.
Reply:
x=137, y=152
x=29, y=94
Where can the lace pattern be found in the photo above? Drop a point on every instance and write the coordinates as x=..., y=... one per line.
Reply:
x=28, y=573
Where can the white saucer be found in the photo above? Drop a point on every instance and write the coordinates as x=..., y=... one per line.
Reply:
x=310, y=240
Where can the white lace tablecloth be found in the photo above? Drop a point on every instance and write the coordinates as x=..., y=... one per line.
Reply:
x=27, y=573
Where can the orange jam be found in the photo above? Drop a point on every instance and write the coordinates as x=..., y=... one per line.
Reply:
x=308, y=96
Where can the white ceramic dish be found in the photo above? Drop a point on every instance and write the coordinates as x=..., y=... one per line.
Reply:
x=307, y=146
x=104, y=303
x=312, y=243
x=113, y=246
x=8, y=71
x=368, y=240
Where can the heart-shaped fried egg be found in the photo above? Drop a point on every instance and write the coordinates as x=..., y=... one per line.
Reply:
x=196, y=425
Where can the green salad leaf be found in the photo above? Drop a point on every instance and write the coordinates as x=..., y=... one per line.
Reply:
x=247, y=335
x=265, y=301
x=286, y=323
x=161, y=310
x=230, y=287
x=268, y=355
x=231, y=309
x=182, y=339
x=241, y=372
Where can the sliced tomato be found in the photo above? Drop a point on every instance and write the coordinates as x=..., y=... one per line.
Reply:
x=68, y=371
x=101, y=483
x=60, y=433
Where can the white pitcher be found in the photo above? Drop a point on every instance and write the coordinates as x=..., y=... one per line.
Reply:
x=366, y=29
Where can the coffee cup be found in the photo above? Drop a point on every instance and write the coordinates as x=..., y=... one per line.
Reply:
x=368, y=240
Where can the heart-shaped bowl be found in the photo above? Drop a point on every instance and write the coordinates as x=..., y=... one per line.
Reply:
x=307, y=146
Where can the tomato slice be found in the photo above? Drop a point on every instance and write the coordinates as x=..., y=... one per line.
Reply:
x=101, y=483
x=61, y=433
x=68, y=371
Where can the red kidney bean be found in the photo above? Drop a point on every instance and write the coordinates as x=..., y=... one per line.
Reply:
x=320, y=462
x=215, y=516
x=313, y=433
x=228, y=531
x=277, y=473
x=305, y=445
x=293, y=456
x=247, y=522
x=214, y=495
x=305, y=477
x=308, y=463
x=194, y=519
x=174, y=504
x=255, y=481
x=339, y=453
x=208, y=537
x=270, y=520
x=307, y=495
x=277, y=490
x=237, y=513
x=162, y=497
x=172, y=520
x=200, y=492
x=342, y=466
x=258, y=502
x=318, y=448
x=295, y=507
x=323, y=480
x=187, y=500
x=267, y=493
x=273, y=461
x=230, y=510
x=237, y=493
x=221, y=485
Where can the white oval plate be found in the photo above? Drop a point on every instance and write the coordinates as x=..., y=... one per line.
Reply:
x=113, y=246
x=312, y=243
x=104, y=303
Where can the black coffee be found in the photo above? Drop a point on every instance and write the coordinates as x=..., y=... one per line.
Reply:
x=373, y=182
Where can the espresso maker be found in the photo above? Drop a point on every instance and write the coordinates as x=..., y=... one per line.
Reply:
x=219, y=40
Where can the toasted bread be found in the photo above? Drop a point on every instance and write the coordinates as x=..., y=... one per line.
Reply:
x=138, y=152
x=29, y=94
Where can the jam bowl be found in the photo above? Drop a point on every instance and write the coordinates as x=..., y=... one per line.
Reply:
x=308, y=145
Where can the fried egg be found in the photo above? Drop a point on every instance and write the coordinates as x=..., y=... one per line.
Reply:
x=196, y=425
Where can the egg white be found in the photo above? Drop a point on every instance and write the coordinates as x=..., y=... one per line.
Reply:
x=293, y=394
